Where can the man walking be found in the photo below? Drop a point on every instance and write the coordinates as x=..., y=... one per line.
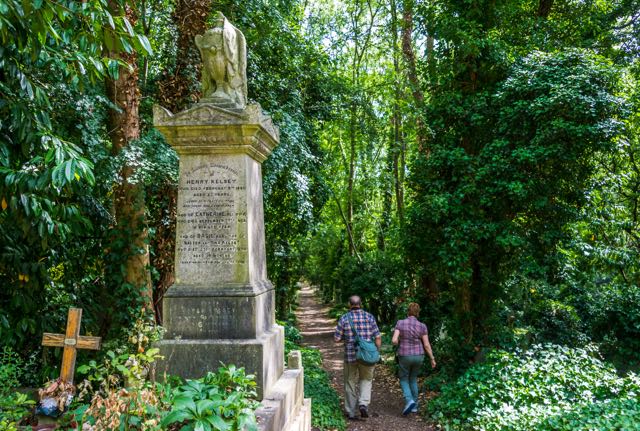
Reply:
x=356, y=374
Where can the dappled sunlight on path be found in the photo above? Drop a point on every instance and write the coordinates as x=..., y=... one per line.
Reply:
x=317, y=329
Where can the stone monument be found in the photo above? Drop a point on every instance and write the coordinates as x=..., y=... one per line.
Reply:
x=221, y=307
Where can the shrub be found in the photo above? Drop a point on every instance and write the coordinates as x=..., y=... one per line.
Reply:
x=557, y=322
x=10, y=370
x=14, y=406
x=219, y=401
x=121, y=409
x=546, y=387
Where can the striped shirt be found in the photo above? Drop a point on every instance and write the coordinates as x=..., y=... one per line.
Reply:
x=364, y=323
x=411, y=332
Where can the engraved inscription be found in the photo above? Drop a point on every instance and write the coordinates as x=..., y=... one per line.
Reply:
x=211, y=234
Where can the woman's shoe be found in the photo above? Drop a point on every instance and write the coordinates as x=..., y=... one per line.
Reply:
x=408, y=407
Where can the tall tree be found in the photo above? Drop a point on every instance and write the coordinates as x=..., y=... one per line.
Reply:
x=177, y=87
x=51, y=60
x=412, y=72
x=478, y=223
x=180, y=84
x=130, y=238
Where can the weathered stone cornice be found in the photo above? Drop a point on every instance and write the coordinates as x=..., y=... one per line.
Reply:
x=210, y=129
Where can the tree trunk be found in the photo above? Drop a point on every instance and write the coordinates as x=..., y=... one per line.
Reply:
x=351, y=174
x=398, y=147
x=130, y=234
x=412, y=73
x=176, y=91
x=463, y=310
x=180, y=87
x=429, y=280
x=544, y=8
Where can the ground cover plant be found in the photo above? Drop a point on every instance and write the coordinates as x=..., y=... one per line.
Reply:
x=222, y=400
x=547, y=387
x=14, y=406
x=116, y=392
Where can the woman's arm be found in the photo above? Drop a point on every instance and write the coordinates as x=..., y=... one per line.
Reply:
x=427, y=348
x=396, y=337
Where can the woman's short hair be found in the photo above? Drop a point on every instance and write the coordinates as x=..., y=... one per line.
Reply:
x=414, y=309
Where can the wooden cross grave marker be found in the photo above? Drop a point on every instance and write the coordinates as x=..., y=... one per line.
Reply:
x=71, y=341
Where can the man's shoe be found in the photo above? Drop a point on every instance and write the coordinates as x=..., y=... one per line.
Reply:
x=353, y=418
x=415, y=408
x=408, y=407
x=363, y=411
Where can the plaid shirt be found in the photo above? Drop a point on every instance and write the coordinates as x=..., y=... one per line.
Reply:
x=364, y=323
x=411, y=332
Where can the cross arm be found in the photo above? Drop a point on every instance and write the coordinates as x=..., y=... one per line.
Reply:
x=82, y=342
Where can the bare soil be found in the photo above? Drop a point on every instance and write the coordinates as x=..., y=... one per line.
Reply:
x=385, y=411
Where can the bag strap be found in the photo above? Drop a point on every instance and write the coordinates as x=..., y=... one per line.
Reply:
x=353, y=327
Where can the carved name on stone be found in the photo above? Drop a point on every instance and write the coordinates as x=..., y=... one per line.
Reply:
x=212, y=224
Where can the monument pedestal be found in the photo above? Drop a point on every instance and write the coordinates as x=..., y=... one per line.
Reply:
x=192, y=358
x=222, y=307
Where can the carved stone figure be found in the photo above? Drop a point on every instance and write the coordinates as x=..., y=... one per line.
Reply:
x=224, y=56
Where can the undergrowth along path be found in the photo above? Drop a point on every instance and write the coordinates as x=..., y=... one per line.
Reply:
x=316, y=327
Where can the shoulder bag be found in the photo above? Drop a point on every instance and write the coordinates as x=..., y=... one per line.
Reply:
x=366, y=350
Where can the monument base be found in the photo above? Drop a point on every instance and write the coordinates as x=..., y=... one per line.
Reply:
x=192, y=359
x=221, y=311
x=285, y=408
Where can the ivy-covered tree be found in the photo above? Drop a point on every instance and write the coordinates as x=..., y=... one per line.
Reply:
x=49, y=51
x=507, y=168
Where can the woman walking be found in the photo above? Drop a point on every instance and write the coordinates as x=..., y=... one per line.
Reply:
x=413, y=339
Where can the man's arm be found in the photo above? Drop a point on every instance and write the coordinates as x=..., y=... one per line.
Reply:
x=338, y=335
x=376, y=331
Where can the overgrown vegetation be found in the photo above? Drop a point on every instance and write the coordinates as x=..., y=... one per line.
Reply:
x=480, y=158
x=547, y=387
x=117, y=393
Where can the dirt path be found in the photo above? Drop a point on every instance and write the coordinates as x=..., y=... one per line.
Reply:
x=386, y=399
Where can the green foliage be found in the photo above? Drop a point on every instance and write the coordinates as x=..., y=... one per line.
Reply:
x=326, y=411
x=219, y=401
x=546, y=387
x=13, y=408
x=14, y=405
x=121, y=397
x=497, y=199
x=50, y=52
x=126, y=370
x=127, y=365
x=379, y=277
x=10, y=370
x=297, y=93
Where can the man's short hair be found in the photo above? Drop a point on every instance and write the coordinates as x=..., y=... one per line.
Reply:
x=355, y=301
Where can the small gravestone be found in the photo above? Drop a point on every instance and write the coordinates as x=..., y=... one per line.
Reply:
x=71, y=341
x=58, y=394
